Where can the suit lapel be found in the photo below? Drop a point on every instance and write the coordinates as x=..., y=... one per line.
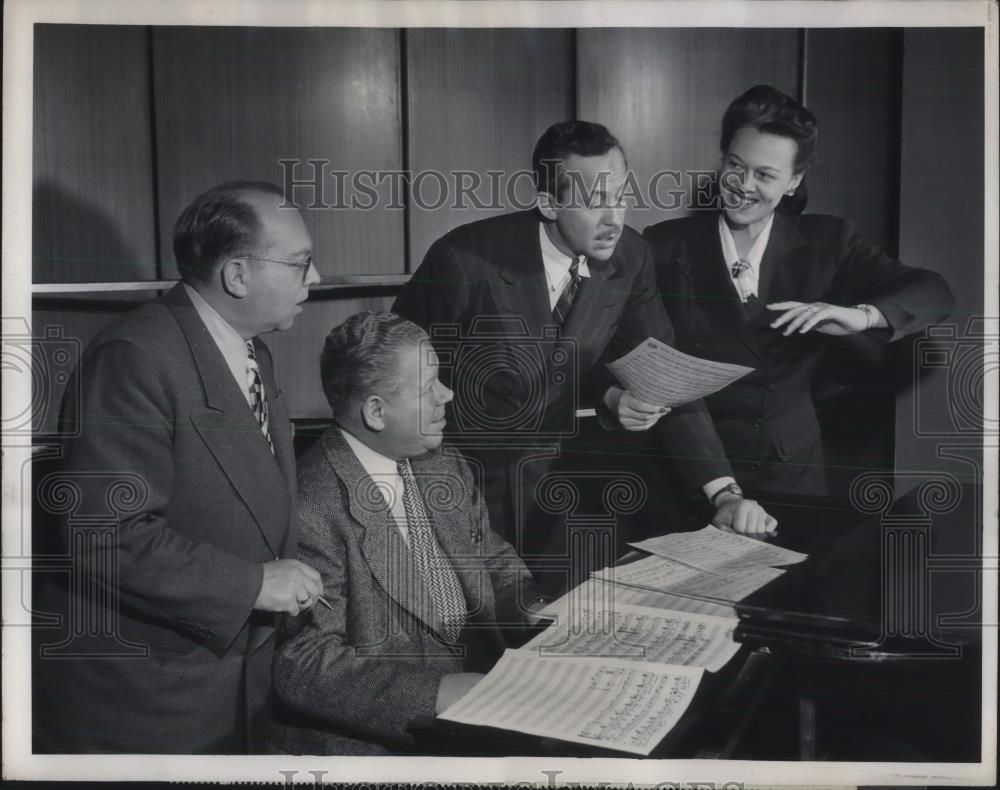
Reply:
x=713, y=284
x=280, y=428
x=596, y=305
x=228, y=428
x=388, y=556
x=781, y=274
x=519, y=287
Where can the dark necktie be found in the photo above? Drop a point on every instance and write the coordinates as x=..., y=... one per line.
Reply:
x=447, y=598
x=258, y=400
x=565, y=301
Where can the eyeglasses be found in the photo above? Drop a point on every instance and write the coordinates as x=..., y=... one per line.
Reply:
x=305, y=265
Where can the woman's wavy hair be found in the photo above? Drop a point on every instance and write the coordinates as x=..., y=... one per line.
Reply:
x=768, y=110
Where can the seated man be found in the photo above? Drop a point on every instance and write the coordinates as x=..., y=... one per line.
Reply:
x=417, y=581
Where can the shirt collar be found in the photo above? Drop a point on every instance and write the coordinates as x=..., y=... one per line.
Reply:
x=555, y=258
x=228, y=340
x=756, y=253
x=375, y=464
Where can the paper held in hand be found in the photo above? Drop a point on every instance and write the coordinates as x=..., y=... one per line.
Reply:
x=656, y=373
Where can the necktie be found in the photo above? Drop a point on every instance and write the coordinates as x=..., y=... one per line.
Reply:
x=447, y=598
x=565, y=300
x=258, y=401
x=743, y=274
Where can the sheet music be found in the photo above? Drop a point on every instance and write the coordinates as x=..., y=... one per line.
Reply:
x=710, y=547
x=657, y=373
x=735, y=586
x=610, y=703
x=640, y=633
x=653, y=572
x=598, y=592
x=726, y=583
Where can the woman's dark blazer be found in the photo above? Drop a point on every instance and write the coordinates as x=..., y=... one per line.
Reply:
x=767, y=420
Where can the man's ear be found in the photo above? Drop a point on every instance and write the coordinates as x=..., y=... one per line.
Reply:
x=373, y=413
x=547, y=203
x=234, y=276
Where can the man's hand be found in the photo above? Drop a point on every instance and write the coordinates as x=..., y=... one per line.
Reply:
x=288, y=586
x=632, y=413
x=453, y=687
x=829, y=319
x=744, y=516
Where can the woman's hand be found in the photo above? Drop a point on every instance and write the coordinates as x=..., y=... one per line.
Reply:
x=830, y=319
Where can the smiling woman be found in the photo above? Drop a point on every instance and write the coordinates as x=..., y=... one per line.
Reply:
x=757, y=284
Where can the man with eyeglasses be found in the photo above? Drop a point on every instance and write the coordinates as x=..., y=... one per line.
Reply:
x=179, y=404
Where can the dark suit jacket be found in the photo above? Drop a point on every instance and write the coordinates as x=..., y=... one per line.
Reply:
x=171, y=458
x=510, y=380
x=767, y=417
x=352, y=680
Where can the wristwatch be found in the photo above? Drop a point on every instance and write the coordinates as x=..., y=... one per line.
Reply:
x=730, y=488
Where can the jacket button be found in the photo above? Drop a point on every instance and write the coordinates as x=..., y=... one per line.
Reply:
x=758, y=423
x=755, y=465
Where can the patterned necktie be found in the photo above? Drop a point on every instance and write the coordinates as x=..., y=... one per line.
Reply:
x=447, y=598
x=258, y=402
x=743, y=274
x=565, y=301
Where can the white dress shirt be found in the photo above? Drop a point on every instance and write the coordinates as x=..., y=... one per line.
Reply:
x=385, y=475
x=228, y=340
x=557, y=265
x=747, y=285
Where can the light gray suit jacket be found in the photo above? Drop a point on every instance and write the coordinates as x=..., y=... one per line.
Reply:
x=352, y=680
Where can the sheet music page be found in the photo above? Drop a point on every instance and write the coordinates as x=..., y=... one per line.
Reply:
x=609, y=703
x=598, y=592
x=736, y=585
x=710, y=547
x=657, y=373
x=640, y=633
x=726, y=583
x=653, y=572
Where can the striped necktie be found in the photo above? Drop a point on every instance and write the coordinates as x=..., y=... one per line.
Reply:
x=565, y=300
x=258, y=400
x=447, y=598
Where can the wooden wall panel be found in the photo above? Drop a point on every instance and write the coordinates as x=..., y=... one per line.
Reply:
x=662, y=92
x=479, y=100
x=92, y=209
x=852, y=86
x=296, y=352
x=942, y=228
x=231, y=102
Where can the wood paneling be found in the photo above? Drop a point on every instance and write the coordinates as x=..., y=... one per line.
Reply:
x=941, y=228
x=852, y=86
x=478, y=101
x=92, y=207
x=662, y=92
x=296, y=352
x=231, y=102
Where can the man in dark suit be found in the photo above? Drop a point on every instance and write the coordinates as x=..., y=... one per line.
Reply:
x=526, y=308
x=185, y=452
x=417, y=581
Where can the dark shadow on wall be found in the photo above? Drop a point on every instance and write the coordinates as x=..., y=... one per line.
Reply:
x=73, y=240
